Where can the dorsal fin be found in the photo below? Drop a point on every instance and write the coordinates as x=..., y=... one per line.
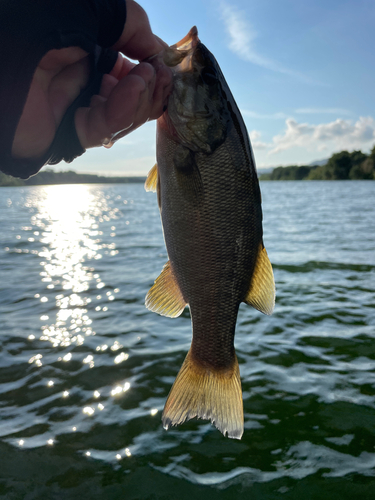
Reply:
x=261, y=294
x=165, y=296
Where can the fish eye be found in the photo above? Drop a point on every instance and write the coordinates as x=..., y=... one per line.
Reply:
x=209, y=76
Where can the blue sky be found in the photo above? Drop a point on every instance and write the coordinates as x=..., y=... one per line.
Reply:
x=302, y=73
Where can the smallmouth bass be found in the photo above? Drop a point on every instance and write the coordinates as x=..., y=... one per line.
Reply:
x=210, y=206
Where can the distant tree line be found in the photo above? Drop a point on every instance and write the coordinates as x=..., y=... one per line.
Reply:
x=341, y=166
x=49, y=176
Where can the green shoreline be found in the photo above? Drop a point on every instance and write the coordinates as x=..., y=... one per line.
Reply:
x=340, y=166
x=50, y=177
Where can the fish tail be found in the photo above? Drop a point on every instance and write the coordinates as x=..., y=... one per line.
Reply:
x=209, y=394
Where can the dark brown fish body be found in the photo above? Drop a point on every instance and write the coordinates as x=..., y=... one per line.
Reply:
x=212, y=220
x=212, y=239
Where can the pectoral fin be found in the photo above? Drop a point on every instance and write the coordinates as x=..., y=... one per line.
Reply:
x=165, y=296
x=187, y=174
x=152, y=179
x=261, y=294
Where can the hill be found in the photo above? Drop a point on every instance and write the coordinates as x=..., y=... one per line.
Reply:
x=340, y=166
x=49, y=176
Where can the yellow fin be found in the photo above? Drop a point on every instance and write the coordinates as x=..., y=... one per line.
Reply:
x=152, y=179
x=165, y=296
x=261, y=294
x=207, y=394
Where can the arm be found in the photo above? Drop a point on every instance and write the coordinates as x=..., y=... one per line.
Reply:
x=127, y=96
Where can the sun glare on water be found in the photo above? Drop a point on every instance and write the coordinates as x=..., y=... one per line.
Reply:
x=69, y=238
x=70, y=229
x=68, y=218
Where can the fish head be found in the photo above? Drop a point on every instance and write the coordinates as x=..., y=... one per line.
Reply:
x=197, y=114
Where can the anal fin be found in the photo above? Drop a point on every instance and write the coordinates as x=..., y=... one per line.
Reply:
x=261, y=294
x=165, y=296
x=209, y=394
x=152, y=179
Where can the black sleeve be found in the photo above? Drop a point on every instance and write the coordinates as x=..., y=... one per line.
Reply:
x=28, y=30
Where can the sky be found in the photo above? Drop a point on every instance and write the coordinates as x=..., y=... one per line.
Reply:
x=301, y=72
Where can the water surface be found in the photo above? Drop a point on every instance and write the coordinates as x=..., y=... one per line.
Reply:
x=85, y=369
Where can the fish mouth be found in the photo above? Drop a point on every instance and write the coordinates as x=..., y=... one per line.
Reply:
x=178, y=56
x=190, y=41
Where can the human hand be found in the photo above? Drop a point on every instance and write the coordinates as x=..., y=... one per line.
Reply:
x=129, y=96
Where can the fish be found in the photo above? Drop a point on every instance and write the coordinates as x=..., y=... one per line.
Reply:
x=210, y=206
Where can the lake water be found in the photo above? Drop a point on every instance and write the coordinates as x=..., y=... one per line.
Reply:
x=85, y=369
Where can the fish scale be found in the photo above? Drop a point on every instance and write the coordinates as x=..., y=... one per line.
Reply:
x=211, y=215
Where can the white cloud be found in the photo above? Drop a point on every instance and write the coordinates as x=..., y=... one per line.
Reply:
x=242, y=37
x=256, y=143
x=313, y=111
x=272, y=116
x=336, y=135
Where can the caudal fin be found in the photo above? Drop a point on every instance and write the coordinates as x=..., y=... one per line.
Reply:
x=208, y=394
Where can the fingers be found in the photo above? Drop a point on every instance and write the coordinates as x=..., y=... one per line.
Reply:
x=131, y=101
x=137, y=40
x=57, y=81
x=162, y=90
x=162, y=42
x=122, y=67
x=109, y=82
x=123, y=105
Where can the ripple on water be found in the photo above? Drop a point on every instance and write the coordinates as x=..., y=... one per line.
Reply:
x=85, y=369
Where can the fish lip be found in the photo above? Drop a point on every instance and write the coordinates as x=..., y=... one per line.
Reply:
x=190, y=41
x=181, y=52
